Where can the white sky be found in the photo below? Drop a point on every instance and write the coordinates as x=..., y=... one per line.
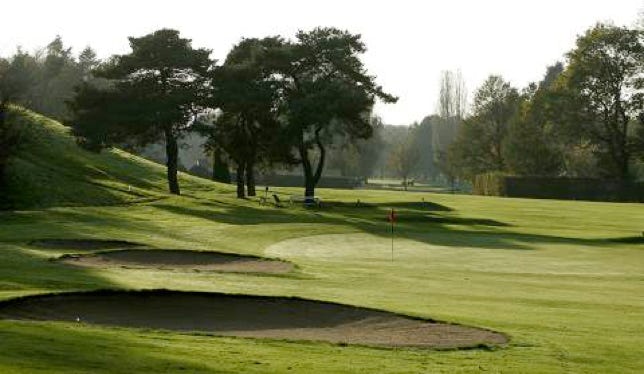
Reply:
x=409, y=42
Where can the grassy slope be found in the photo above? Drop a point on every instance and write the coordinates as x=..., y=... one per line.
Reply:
x=541, y=271
x=52, y=171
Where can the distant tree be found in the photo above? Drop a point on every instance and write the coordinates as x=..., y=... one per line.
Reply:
x=479, y=144
x=58, y=74
x=404, y=157
x=424, y=142
x=17, y=75
x=601, y=94
x=452, y=99
x=327, y=93
x=87, y=62
x=155, y=92
x=358, y=157
x=452, y=108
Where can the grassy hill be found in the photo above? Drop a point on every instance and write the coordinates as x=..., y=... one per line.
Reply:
x=51, y=170
x=563, y=279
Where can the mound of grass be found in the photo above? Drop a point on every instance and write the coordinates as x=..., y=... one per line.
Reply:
x=52, y=170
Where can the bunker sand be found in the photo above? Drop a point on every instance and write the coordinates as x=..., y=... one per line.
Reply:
x=248, y=316
x=179, y=259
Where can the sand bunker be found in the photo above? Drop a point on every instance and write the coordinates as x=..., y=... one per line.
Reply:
x=248, y=316
x=179, y=259
x=82, y=244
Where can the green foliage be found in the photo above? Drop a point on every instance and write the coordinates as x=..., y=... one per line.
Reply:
x=17, y=75
x=14, y=84
x=326, y=93
x=51, y=170
x=358, y=157
x=45, y=80
x=156, y=92
x=601, y=94
x=490, y=184
x=532, y=146
x=246, y=91
x=478, y=147
x=501, y=184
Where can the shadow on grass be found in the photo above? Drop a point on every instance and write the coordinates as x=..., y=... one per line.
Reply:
x=57, y=347
x=70, y=223
x=413, y=205
x=436, y=229
x=442, y=226
x=22, y=270
x=627, y=240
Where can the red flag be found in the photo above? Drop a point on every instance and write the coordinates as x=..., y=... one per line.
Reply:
x=391, y=216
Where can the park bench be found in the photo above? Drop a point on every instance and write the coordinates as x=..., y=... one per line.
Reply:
x=263, y=200
x=307, y=200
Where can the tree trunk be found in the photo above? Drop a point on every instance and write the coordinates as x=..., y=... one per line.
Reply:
x=2, y=171
x=172, y=161
x=220, y=172
x=311, y=179
x=240, y=180
x=250, y=179
x=309, y=187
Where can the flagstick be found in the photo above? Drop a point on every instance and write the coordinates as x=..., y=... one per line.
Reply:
x=392, y=241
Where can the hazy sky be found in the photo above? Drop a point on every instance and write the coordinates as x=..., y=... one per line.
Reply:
x=409, y=42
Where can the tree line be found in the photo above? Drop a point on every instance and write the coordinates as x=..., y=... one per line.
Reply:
x=272, y=100
x=583, y=119
x=43, y=81
x=307, y=102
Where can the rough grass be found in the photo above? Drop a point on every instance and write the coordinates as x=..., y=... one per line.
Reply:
x=50, y=170
x=561, y=278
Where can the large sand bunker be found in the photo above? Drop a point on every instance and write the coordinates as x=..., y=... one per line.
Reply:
x=82, y=244
x=179, y=259
x=248, y=316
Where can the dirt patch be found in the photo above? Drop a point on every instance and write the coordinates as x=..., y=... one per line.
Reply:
x=179, y=259
x=248, y=316
x=82, y=244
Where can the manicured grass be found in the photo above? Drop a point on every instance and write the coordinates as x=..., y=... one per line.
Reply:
x=548, y=273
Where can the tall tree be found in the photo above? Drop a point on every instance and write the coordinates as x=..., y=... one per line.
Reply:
x=452, y=108
x=452, y=99
x=601, y=94
x=479, y=144
x=327, y=92
x=156, y=92
x=246, y=91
